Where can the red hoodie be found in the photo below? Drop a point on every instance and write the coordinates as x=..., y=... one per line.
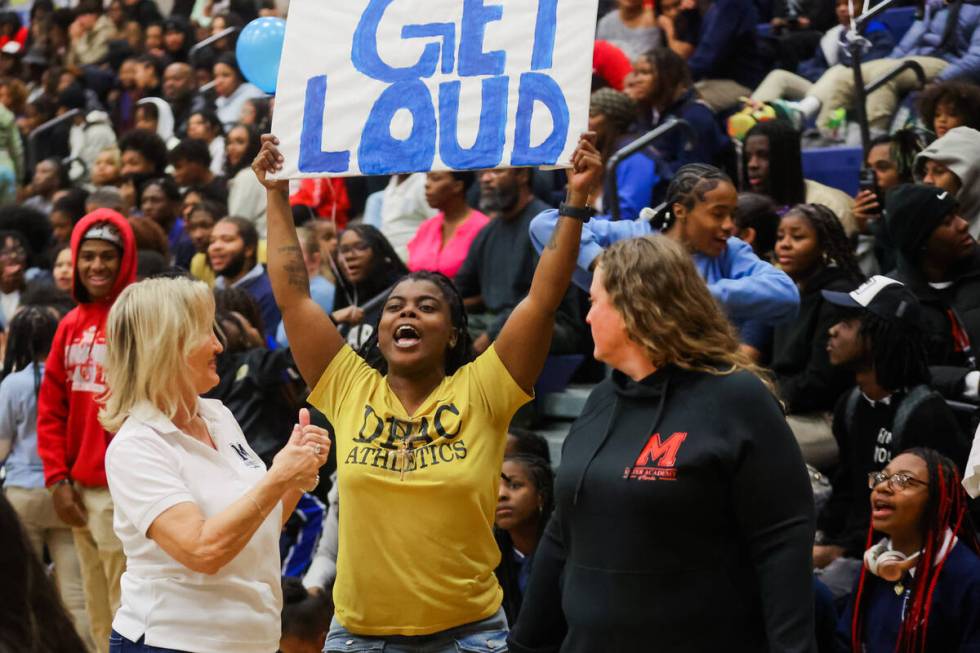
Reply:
x=70, y=440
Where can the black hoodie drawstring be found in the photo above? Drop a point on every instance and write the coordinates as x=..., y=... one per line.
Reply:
x=608, y=431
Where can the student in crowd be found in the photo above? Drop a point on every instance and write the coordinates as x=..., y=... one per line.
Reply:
x=231, y=90
x=829, y=50
x=403, y=209
x=107, y=168
x=28, y=341
x=321, y=289
x=796, y=29
x=384, y=589
x=891, y=409
x=726, y=63
x=49, y=177
x=756, y=223
x=631, y=27
x=62, y=269
x=919, y=588
x=368, y=267
x=947, y=105
x=233, y=254
x=661, y=86
x=524, y=441
x=944, y=42
x=34, y=616
x=772, y=164
x=951, y=163
x=442, y=241
x=305, y=618
x=160, y=202
x=142, y=153
x=14, y=258
x=490, y=290
x=191, y=163
x=812, y=249
x=611, y=116
x=204, y=125
x=153, y=114
x=524, y=506
x=198, y=515
x=325, y=198
x=939, y=261
x=683, y=404
x=65, y=214
x=891, y=158
x=70, y=440
x=180, y=90
x=698, y=213
x=245, y=197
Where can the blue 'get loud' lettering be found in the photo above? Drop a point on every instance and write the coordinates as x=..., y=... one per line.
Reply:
x=380, y=152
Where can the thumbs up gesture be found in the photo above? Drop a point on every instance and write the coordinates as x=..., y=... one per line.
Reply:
x=308, y=435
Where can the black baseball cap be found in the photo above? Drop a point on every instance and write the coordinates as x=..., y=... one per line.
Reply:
x=887, y=298
x=912, y=213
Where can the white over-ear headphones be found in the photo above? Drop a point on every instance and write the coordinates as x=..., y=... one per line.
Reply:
x=886, y=563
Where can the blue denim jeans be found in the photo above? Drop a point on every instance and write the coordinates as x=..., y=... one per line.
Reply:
x=487, y=636
x=119, y=644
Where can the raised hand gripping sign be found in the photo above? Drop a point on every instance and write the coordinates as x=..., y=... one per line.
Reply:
x=375, y=87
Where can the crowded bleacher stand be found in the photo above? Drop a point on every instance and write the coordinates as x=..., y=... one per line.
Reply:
x=831, y=232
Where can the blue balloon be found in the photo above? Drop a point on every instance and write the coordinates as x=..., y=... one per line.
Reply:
x=259, y=50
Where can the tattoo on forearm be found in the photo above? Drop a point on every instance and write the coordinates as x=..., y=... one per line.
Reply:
x=553, y=241
x=295, y=268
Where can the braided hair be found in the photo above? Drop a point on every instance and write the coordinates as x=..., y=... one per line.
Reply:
x=688, y=187
x=543, y=477
x=898, y=352
x=456, y=356
x=831, y=238
x=786, y=184
x=904, y=145
x=29, y=337
x=946, y=510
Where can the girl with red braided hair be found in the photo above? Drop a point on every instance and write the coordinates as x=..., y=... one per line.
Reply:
x=919, y=589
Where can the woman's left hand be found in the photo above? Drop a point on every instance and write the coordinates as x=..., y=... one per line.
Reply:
x=316, y=438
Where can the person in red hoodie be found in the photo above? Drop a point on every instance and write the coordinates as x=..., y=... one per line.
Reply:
x=71, y=442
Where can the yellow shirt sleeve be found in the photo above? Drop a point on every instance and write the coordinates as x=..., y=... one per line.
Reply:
x=493, y=386
x=346, y=373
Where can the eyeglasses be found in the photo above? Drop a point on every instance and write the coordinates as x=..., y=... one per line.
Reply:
x=899, y=481
x=13, y=255
x=346, y=250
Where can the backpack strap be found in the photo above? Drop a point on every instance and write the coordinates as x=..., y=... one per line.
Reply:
x=912, y=400
x=850, y=408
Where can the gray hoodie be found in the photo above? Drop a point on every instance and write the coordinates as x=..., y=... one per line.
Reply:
x=959, y=150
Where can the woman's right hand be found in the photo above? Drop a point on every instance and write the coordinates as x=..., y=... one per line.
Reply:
x=267, y=161
x=296, y=465
x=586, y=171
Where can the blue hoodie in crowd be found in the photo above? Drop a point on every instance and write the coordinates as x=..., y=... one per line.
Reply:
x=752, y=291
x=960, y=48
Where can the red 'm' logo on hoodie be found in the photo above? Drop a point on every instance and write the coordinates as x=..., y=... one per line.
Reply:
x=657, y=459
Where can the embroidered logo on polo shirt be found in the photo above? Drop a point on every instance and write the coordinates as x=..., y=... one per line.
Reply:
x=657, y=460
x=246, y=457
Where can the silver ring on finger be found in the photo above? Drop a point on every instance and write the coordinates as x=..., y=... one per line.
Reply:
x=317, y=450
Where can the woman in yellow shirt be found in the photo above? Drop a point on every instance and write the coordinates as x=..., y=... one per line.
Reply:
x=420, y=445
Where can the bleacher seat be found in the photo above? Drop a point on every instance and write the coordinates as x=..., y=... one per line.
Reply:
x=557, y=372
x=898, y=20
x=838, y=167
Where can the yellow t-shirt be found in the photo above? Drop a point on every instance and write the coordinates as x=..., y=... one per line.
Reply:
x=416, y=550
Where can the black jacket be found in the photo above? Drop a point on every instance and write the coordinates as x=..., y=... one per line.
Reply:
x=806, y=379
x=684, y=523
x=948, y=365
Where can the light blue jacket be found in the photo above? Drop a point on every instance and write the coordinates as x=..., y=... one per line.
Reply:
x=750, y=289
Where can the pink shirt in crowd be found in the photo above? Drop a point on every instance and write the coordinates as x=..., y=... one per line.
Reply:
x=427, y=252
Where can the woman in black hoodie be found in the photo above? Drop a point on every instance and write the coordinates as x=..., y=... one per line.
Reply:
x=813, y=250
x=684, y=517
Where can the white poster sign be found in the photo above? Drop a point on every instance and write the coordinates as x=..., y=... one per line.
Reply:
x=374, y=87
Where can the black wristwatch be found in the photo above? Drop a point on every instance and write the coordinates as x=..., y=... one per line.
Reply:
x=583, y=213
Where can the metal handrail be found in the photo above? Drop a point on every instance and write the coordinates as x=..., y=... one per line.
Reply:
x=228, y=31
x=47, y=126
x=634, y=147
x=908, y=64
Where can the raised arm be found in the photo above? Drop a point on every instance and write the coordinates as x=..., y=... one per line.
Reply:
x=313, y=337
x=525, y=338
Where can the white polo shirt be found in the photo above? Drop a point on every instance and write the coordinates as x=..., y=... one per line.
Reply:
x=152, y=466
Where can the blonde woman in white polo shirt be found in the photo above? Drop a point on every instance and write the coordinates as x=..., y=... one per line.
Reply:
x=197, y=513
